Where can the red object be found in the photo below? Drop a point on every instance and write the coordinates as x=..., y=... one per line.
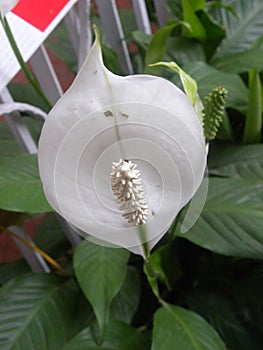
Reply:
x=39, y=13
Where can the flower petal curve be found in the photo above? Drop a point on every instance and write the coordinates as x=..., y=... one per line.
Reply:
x=104, y=117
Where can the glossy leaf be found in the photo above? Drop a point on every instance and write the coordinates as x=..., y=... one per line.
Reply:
x=224, y=315
x=49, y=236
x=20, y=186
x=165, y=264
x=243, y=29
x=197, y=30
x=125, y=304
x=118, y=336
x=231, y=222
x=253, y=123
x=12, y=269
x=8, y=145
x=240, y=162
x=208, y=77
x=157, y=48
x=100, y=272
x=184, y=51
x=37, y=311
x=179, y=329
x=214, y=32
x=240, y=62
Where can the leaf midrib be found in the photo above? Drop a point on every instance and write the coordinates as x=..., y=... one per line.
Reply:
x=234, y=209
x=33, y=314
x=230, y=40
x=184, y=326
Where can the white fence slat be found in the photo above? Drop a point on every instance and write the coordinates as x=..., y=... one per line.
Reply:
x=161, y=12
x=46, y=75
x=113, y=32
x=71, y=21
x=18, y=127
x=85, y=35
x=141, y=15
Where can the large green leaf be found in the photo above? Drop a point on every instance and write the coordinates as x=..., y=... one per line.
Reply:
x=241, y=162
x=49, y=236
x=197, y=29
x=37, y=311
x=179, y=329
x=100, y=272
x=157, y=48
x=12, y=269
x=208, y=77
x=20, y=185
x=8, y=145
x=243, y=29
x=118, y=336
x=126, y=302
x=231, y=222
x=240, y=62
x=224, y=315
x=184, y=51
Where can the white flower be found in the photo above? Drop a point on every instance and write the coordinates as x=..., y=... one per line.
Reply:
x=6, y=6
x=103, y=126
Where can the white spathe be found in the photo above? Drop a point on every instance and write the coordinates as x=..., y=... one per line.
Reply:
x=103, y=118
x=6, y=6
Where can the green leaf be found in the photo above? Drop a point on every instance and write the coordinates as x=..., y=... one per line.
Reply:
x=253, y=123
x=179, y=329
x=100, y=272
x=125, y=304
x=188, y=82
x=166, y=265
x=214, y=32
x=157, y=47
x=223, y=315
x=8, y=144
x=231, y=222
x=22, y=92
x=184, y=51
x=241, y=30
x=118, y=336
x=49, y=236
x=240, y=162
x=208, y=77
x=197, y=30
x=240, y=62
x=20, y=185
x=12, y=269
x=37, y=311
x=142, y=39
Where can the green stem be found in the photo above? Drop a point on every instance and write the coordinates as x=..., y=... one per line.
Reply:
x=29, y=75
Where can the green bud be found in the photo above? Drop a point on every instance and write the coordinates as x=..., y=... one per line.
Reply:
x=213, y=112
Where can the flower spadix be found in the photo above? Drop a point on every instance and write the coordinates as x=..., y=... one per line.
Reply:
x=120, y=156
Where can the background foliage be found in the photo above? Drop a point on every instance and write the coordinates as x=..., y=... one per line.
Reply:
x=210, y=277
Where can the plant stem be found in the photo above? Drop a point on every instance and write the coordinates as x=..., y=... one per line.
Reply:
x=29, y=75
x=30, y=245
